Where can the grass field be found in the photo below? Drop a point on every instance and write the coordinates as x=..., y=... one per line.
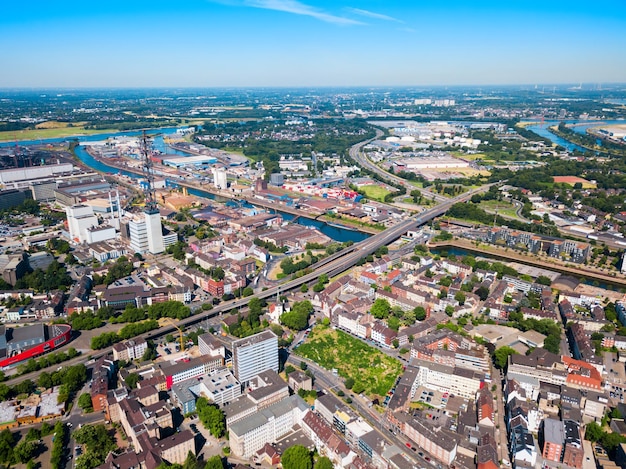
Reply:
x=375, y=192
x=503, y=208
x=55, y=132
x=468, y=157
x=368, y=366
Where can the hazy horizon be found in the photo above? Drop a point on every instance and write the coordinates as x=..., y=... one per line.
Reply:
x=311, y=44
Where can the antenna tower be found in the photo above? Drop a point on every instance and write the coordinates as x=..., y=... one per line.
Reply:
x=148, y=173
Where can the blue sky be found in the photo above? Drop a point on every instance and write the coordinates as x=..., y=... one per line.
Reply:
x=204, y=43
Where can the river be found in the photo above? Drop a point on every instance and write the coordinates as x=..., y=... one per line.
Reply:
x=335, y=233
x=579, y=127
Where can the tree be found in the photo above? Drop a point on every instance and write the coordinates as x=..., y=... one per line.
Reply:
x=7, y=443
x=501, y=356
x=248, y=291
x=358, y=388
x=211, y=417
x=552, y=343
x=544, y=280
x=214, y=462
x=482, y=292
x=33, y=435
x=297, y=457
x=304, y=288
x=349, y=382
x=191, y=462
x=132, y=379
x=420, y=313
x=460, y=297
x=324, y=463
x=381, y=308
x=298, y=318
x=25, y=451
x=45, y=380
x=84, y=402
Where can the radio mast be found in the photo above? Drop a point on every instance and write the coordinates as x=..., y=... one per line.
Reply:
x=148, y=173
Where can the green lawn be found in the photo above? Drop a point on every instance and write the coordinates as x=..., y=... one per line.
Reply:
x=503, y=208
x=468, y=156
x=374, y=192
x=40, y=134
x=353, y=358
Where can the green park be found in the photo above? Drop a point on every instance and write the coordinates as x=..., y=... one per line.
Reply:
x=371, y=371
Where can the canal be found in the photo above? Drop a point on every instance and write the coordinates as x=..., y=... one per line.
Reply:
x=336, y=233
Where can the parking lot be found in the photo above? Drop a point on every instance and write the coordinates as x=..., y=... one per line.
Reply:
x=432, y=398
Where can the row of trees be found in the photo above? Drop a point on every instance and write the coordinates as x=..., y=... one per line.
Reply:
x=61, y=435
x=47, y=360
x=129, y=331
x=70, y=378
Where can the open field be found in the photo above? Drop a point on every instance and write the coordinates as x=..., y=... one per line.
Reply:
x=351, y=357
x=58, y=125
x=55, y=132
x=468, y=157
x=503, y=208
x=467, y=172
x=571, y=180
x=374, y=192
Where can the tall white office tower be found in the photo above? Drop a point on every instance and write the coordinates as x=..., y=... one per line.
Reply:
x=138, y=235
x=154, y=231
x=255, y=354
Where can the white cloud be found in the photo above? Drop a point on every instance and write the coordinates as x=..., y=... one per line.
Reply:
x=371, y=14
x=297, y=8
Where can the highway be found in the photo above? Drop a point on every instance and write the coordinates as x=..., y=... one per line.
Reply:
x=356, y=155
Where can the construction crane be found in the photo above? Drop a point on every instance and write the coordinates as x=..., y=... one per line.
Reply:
x=180, y=333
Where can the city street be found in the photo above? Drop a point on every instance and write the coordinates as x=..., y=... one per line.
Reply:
x=330, y=381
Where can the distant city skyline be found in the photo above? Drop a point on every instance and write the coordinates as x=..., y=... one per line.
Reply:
x=309, y=43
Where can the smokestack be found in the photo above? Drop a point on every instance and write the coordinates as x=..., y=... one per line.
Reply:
x=111, y=205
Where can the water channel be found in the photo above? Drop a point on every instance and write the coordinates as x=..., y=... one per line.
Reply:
x=334, y=232
x=579, y=127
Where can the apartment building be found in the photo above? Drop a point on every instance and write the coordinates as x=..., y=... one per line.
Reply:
x=457, y=381
x=193, y=368
x=553, y=440
x=440, y=443
x=250, y=434
x=130, y=350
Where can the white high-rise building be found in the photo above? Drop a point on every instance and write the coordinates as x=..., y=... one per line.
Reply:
x=255, y=354
x=138, y=235
x=79, y=219
x=146, y=233
x=154, y=231
x=219, y=178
